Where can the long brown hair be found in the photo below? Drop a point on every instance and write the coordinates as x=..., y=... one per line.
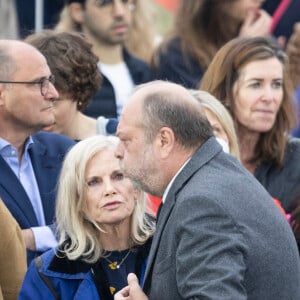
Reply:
x=202, y=26
x=223, y=72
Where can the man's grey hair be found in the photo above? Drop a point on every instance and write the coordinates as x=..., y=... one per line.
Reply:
x=186, y=118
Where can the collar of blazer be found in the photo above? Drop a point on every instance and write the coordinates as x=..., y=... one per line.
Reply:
x=204, y=154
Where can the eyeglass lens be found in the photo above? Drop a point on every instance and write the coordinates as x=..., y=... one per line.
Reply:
x=45, y=84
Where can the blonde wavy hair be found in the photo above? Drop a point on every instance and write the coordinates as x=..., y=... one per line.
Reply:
x=78, y=233
x=219, y=110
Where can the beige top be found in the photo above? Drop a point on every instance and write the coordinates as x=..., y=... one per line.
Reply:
x=12, y=255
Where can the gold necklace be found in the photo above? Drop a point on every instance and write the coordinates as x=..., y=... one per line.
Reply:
x=114, y=264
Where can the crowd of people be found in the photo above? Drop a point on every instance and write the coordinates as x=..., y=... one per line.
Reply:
x=136, y=166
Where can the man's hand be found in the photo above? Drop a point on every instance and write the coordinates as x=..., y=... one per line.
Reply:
x=29, y=239
x=257, y=23
x=131, y=292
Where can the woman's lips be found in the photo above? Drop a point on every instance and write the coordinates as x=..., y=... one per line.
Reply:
x=112, y=205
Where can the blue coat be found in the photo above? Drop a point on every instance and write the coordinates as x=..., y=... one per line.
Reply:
x=70, y=279
x=47, y=154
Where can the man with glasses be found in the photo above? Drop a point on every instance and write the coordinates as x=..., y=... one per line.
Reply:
x=29, y=161
x=106, y=24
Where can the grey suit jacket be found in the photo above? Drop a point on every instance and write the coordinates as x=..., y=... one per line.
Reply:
x=220, y=236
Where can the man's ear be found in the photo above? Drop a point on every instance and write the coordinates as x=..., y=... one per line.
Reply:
x=76, y=12
x=165, y=141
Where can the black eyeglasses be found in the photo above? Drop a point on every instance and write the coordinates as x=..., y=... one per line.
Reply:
x=44, y=83
x=100, y=3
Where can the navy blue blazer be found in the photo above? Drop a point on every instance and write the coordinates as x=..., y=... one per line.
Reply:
x=104, y=102
x=171, y=65
x=47, y=154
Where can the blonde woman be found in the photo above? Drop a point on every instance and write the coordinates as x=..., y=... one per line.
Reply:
x=220, y=120
x=103, y=228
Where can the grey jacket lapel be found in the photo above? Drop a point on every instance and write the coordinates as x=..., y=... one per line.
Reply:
x=204, y=154
x=163, y=218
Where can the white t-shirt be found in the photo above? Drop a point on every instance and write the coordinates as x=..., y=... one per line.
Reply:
x=120, y=78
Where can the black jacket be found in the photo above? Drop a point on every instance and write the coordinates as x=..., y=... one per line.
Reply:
x=104, y=102
x=174, y=67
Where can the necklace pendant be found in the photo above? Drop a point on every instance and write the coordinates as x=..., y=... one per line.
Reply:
x=118, y=266
x=113, y=265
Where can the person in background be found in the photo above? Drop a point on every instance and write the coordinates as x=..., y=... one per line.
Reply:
x=12, y=255
x=293, y=52
x=217, y=224
x=201, y=27
x=220, y=121
x=142, y=34
x=251, y=78
x=74, y=65
x=107, y=25
x=223, y=127
x=30, y=159
x=104, y=230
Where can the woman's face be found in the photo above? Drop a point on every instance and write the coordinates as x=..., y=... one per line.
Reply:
x=258, y=94
x=217, y=127
x=239, y=9
x=110, y=196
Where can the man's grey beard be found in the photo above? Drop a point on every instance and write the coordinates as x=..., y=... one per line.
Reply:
x=137, y=183
x=141, y=186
